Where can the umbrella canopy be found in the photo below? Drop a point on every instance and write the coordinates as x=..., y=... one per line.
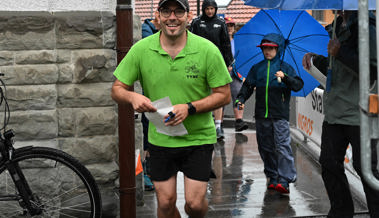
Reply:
x=302, y=34
x=309, y=4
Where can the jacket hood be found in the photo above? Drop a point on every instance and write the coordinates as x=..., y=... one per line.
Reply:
x=207, y=3
x=278, y=39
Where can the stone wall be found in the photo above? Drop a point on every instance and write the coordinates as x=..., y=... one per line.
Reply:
x=59, y=71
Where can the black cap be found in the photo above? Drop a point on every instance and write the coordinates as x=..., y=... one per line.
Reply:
x=183, y=3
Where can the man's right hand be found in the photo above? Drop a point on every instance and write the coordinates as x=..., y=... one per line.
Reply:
x=123, y=93
x=142, y=104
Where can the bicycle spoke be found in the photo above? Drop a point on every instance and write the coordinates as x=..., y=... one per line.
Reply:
x=64, y=193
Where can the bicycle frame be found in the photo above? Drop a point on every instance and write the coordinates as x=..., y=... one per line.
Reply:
x=26, y=195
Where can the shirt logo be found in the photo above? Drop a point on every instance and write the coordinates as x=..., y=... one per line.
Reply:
x=192, y=71
x=216, y=25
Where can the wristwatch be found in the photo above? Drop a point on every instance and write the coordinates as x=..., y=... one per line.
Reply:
x=191, y=108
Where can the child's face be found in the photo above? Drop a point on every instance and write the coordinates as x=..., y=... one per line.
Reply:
x=269, y=52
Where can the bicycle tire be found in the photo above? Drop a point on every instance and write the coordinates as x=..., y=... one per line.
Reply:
x=62, y=184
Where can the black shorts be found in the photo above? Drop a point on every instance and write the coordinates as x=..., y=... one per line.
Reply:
x=194, y=161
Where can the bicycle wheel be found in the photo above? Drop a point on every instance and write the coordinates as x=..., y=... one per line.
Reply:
x=62, y=185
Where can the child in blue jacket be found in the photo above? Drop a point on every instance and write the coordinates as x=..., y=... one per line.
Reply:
x=273, y=80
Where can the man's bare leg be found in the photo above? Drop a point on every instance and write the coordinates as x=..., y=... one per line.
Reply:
x=238, y=114
x=166, y=196
x=196, y=204
x=218, y=115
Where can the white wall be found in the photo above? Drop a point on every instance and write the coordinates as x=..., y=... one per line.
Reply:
x=58, y=5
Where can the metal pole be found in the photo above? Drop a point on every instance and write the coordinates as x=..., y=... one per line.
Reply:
x=124, y=20
x=364, y=84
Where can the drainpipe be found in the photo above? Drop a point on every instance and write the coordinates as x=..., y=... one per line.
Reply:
x=124, y=21
x=198, y=8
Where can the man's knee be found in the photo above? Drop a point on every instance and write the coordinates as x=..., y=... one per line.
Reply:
x=196, y=205
x=166, y=203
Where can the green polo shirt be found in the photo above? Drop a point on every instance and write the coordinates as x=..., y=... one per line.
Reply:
x=189, y=77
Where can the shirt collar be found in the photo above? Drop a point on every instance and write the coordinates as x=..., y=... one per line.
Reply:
x=189, y=48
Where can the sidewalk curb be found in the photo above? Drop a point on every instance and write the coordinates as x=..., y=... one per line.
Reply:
x=313, y=150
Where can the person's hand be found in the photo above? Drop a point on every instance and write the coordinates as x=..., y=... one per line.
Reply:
x=239, y=105
x=333, y=47
x=230, y=68
x=141, y=104
x=181, y=113
x=307, y=60
x=279, y=74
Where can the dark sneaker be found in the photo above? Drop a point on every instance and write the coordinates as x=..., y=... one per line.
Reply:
x=220, y=133
x=240, y=126
x=272, y=184
x=282, y=188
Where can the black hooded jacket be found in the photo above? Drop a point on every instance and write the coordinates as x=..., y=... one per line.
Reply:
x=214, y=29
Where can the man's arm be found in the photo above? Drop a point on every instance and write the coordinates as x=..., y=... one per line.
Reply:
x=121, y=94
x=220, y=96
x=245, y=92
x=226, y=47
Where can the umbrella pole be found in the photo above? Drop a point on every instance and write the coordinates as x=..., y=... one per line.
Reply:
x=333, y=37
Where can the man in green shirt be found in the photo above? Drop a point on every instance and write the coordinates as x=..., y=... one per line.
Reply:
x=191, y=72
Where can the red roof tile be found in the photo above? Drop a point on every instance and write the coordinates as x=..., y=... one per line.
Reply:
x=236, y=9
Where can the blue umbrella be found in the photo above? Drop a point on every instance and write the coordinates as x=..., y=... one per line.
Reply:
x=302, y=34
x=309, y=4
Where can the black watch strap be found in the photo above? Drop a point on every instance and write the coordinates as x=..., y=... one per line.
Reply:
x=191, y=109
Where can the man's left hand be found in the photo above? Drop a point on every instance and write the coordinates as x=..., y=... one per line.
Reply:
x=181, y=113
x=333, y=47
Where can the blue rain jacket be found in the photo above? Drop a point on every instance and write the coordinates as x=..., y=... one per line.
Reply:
x=272, y=97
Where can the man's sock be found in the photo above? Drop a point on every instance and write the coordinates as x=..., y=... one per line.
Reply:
x=218, y=123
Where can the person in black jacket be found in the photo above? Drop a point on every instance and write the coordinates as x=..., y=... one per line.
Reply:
x=213, y=28
x=341, y=125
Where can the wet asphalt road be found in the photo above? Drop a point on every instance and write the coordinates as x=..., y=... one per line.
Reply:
x=240, y=187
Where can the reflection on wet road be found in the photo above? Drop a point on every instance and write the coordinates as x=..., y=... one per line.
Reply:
x=240, y=187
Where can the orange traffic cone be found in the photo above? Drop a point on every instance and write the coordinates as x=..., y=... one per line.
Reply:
x=139, y=168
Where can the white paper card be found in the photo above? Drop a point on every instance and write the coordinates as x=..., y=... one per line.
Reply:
x=164, y=106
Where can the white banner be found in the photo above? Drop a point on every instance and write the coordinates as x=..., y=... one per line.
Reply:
x=310, y=115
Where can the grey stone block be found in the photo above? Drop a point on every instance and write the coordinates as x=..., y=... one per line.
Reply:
x=36, y=57
x=30, y=74
x=95, y=65
x=96, y=121
x=84, y=95
x=91, y=150
x=32, y=97
x=6, y=58
x=34, y=125
x=27, y=32
x=79, y=31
